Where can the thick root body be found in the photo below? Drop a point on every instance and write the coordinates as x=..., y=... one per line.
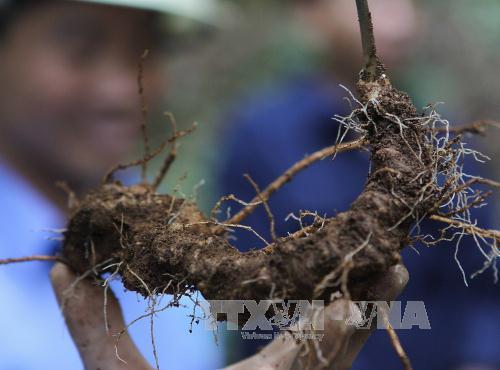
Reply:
x=166, y=245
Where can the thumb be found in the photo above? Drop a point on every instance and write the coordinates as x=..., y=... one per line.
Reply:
x=385, y=287
x=85, y=312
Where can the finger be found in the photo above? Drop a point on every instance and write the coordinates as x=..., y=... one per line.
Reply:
x=339, y=324
x=284, y=353
x=280, y=354
x=385, y=287
x=83, y=306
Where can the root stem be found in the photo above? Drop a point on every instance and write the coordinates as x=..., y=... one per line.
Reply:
x=291, y=172
x=9, y=261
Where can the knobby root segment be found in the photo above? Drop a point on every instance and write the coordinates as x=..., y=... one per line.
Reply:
x=9, y=261
x=164, y=244
x=172, y=247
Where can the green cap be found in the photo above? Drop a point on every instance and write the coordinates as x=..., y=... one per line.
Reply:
x=211, y=12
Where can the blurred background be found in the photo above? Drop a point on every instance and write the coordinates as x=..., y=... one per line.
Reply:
x=452, y=58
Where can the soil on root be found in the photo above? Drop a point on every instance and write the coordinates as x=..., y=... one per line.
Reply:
x=164, y=244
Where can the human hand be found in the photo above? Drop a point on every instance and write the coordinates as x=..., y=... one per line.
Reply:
x=84, y=313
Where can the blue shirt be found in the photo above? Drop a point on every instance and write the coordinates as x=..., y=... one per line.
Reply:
x=266, y=134
x=33, y=335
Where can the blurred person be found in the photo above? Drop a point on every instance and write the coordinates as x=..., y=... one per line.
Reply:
x=269, y=131
x=69, y=110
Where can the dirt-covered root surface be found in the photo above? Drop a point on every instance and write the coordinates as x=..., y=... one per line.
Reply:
x=162, y=244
